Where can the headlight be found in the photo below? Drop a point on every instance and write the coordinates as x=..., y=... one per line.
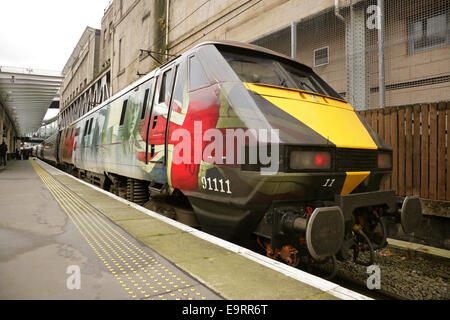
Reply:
x=384, y=160
x=300, y=160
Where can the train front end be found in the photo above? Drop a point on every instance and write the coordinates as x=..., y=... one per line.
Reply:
x=305, y=169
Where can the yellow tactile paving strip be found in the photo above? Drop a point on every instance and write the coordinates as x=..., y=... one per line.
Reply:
x=140, y=274
x=212, y=266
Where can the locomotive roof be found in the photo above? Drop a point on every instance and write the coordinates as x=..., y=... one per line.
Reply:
x=247, y=46
x=226, y=43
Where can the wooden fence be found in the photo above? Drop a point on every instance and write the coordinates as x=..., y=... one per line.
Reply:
x=419, y=137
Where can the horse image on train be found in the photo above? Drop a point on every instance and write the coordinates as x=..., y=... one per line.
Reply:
x=254, y=143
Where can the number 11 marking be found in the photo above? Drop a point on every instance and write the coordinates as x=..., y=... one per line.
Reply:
x=329, y=183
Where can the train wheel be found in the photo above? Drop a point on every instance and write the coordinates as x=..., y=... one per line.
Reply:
x=362, y=249
x=375, y=229
x=326, y=268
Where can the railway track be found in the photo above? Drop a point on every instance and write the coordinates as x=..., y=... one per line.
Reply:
x=357, y=286
x=404, y=276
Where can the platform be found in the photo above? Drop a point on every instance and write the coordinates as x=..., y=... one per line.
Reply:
x=50, y=221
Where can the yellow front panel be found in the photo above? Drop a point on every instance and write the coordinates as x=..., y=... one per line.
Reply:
x=352, y=180
x=334, y=120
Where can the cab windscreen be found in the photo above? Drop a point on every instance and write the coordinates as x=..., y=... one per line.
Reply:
x=265, y=69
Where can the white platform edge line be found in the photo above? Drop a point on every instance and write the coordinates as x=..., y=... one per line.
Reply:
x=299, y=275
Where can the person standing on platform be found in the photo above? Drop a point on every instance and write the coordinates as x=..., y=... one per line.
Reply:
x=3, y=150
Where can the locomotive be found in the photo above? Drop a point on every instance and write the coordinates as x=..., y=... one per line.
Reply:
x=256, y=144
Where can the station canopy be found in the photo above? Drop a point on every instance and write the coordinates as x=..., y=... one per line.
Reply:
x=27, y=94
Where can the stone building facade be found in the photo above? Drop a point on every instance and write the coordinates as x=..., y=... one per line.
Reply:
x=85, y=79
x=333, y=37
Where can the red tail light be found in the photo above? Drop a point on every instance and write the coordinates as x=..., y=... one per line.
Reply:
x=323, y=160
x=310, y=160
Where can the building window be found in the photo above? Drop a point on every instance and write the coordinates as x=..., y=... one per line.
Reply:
x=110, y=30
x=120, y=55
x=321, y=57
x=429, y=32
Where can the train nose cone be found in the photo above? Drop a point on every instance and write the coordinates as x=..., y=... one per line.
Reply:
x=411, y=214
x=325, y=232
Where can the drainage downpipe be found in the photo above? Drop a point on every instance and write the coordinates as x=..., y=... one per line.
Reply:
x=381, y=71
x=167, y=27
x=294, y=40
x=336, y=10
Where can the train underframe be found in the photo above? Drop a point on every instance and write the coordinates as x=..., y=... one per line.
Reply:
x=348, y=228
x=292, y=231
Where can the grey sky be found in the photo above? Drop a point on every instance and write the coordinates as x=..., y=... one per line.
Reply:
x=41, y=34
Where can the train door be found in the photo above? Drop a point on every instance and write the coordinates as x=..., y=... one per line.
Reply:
x=156, y=156
x=62, y=143
x=76, y=144
x=58, y=154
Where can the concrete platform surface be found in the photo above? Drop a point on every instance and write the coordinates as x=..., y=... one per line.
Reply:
x=218, y=268
x=53, y=245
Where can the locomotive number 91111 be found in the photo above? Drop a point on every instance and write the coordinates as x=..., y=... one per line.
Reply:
x=217, y=185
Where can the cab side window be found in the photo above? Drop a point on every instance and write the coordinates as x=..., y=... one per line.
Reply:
x=144, y=103
x=197, y=77
x=161, y=108
x=164, y=93
x=179, y=88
